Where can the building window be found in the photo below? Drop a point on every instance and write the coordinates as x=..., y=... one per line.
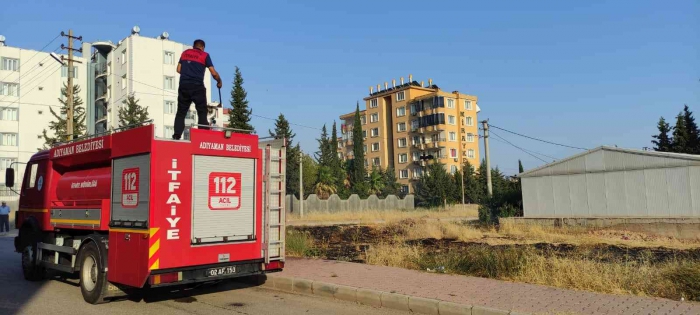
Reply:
x=452, y=120
x=470, y=153
x=416, y=156
x=470, y=137
x=453, y=136
x=403, y=158
x=8, y=139
x=403, y=174
x=169, y=83
x=168, y=131
x=376, y=161
x=417, y=172
x=363, y=119
x=401, y=111
x=123, y=83
x=373, y=103
x=453, y=169
x=364, y=134
x=366, y=163
x=169, y=58
x=403, y=143
x=124, y=56
x=64, y=72
x=364, y=148
x=450, y=103
x=469, y=121
x=374, y=118
x=453, y=153
x=11, y=114
x=6, y=163
x=9, y=89
x=375, y=147
x=401, y=96
x=10, y=64
x=468, y=105
x=401, y=126
x=169, y=107
x=375, y=132
x=416, y=140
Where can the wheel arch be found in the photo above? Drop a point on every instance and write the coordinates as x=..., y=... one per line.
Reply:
x=100, y=242
x=29, y=228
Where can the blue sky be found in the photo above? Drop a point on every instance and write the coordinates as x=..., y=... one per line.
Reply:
x=586, y=73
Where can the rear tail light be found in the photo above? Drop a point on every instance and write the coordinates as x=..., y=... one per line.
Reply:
x=165, y=278
x=273, y=265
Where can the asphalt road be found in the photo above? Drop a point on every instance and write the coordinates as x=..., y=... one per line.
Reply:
x=18, y=296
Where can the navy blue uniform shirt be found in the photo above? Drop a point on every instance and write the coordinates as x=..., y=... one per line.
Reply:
x=193, y=64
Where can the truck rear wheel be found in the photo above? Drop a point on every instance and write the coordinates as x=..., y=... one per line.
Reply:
x=30, y=264
x=93, y=280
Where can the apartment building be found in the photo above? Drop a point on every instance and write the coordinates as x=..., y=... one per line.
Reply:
x=405, y=122
x=30, y=86
x=145, y=67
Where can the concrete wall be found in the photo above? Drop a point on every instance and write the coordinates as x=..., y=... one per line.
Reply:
x=354, y=203
x=680, y=228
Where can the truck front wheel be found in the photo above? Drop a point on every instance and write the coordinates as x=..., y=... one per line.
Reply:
x=30, y=264
x=93, y=279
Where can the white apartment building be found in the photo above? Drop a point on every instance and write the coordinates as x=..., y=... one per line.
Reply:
x=30, y=85
x=145, y=67
x=31, y=81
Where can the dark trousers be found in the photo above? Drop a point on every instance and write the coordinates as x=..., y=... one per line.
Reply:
x=4, y=223
x=186, y=95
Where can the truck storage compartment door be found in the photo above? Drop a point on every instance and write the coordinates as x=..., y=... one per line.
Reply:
x=223, y=199
x=131, y=179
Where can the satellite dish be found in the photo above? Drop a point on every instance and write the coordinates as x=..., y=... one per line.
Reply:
x=135, y=30
x=164, y=35
x=2, y=38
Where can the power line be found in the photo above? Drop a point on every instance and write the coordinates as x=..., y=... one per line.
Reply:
x=545, y=141
x=263, y=117
x=534, y=152
x=32, y=89
x=42, y=49
x=521, y=149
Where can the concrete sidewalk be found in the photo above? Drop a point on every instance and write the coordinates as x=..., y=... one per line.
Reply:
x=516, y=298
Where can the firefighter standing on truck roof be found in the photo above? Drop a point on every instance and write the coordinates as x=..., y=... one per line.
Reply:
x=191, y=67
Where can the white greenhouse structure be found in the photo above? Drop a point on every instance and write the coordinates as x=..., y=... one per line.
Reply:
x=615, y=183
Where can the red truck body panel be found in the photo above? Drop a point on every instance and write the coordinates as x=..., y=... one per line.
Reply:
x=76, y=186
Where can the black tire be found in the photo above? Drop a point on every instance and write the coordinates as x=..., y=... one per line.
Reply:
x=93, y=279
x=31, y=269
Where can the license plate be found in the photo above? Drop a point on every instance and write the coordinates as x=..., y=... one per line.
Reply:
x=221, y=271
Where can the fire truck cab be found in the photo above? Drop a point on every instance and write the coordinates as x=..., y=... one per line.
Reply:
x=126, y=211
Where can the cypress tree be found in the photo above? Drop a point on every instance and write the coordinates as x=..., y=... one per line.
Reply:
x=680, y=135
x=663, y=142
x=693, y=146
x=357, y=178
x=336, y=164
x=132, y=113
x=59, y=127
x=240, y=114
x=282, y=130
x=520, y=167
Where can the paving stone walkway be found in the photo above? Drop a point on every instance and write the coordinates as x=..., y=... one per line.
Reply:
x=503, y=295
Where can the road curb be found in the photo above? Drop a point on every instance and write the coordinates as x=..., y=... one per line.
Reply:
x=376, y=298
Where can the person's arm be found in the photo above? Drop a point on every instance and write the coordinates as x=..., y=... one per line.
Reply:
x=214, y=74
x=179, y=66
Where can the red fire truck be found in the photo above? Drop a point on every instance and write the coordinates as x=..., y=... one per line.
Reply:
x=126, y=210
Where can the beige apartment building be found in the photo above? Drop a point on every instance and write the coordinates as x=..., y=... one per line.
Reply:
x=402, y=123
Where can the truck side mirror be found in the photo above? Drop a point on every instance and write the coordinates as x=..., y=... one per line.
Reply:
x=10, y=177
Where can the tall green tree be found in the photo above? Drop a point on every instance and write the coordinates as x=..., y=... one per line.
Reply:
x=663, y=142
x=240, y=114
x=681, y=138
x=310, y=170
x=391, y=185
x=520, y=167
x=336, y=163
x=693, y=146
x=358, y=171
x=283, y=130
x=324, y=155
x=473, y=190
x=132, y=113
x=435, y=188
x=59, y=127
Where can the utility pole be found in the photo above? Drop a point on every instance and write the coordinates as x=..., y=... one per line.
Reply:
x=301, y=185
x=462, y=172
x=69, y=88
x=487, y=156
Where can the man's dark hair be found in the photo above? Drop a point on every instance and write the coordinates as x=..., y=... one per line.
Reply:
x=198, y=43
